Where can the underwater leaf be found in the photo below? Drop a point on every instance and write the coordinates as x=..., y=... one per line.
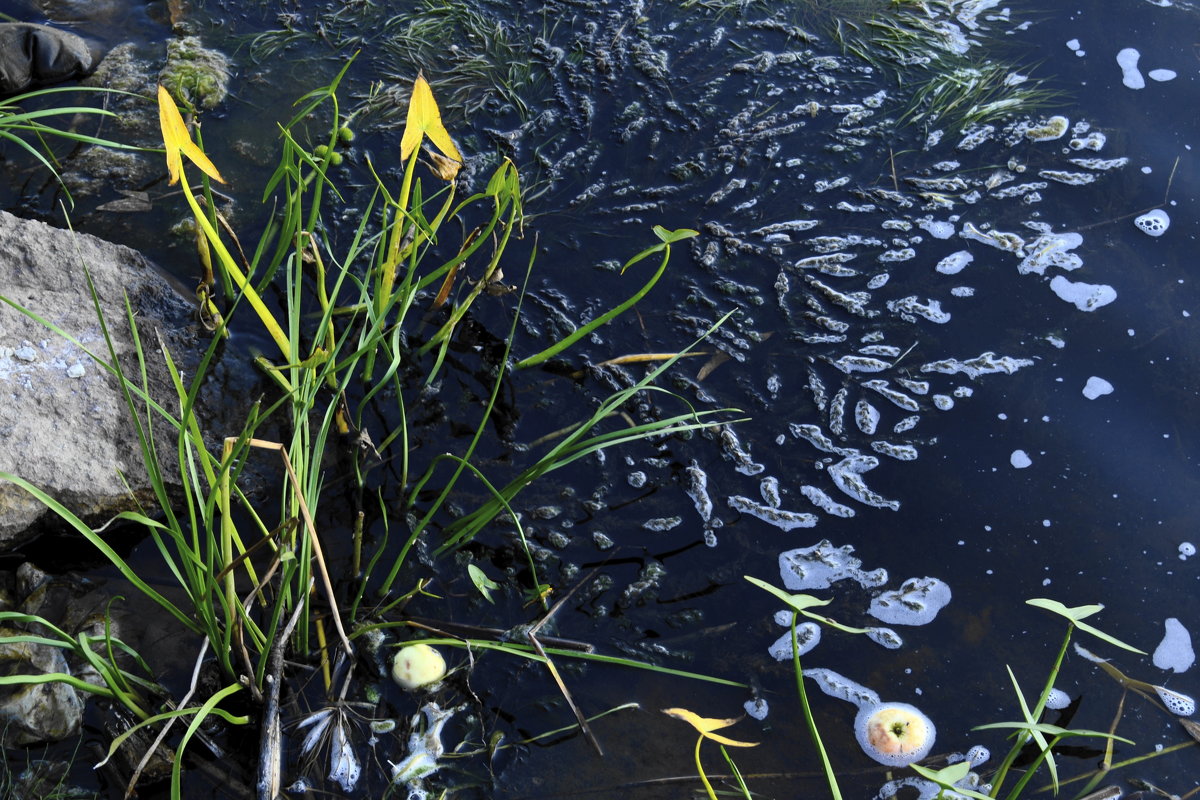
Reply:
x=1076, y=615
x=425, y=119
x=706, y=725
x=178, y=142
x=482, y=582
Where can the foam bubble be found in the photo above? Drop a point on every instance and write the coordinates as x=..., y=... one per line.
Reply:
x=895, y=734
x=1178, y=704
x=978, y=755
x=1085, y=296
x=936, y=228
x=1153, y=223
x=1186, y=550
x=1057, y=699
x=954, y=263
x=756, y=708
x=1127, y=59
x=1175, y=651
x=819, y=566
x=1019, y=459
x=916, y=602
x=841, y=687
x=808, y=636
x=1095, y=387
x=1162, y=74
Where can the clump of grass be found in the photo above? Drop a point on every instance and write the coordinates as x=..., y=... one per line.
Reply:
x=25, y=121
x=946, y=86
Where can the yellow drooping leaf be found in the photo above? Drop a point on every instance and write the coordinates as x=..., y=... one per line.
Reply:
x=178, y=142
x=424, y=119
x=706, y=725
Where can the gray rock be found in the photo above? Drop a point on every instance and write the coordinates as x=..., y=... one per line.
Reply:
x=64, y=424
x=38, y=55
x=42, y=712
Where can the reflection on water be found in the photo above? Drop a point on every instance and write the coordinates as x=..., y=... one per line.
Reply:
x=960, y=354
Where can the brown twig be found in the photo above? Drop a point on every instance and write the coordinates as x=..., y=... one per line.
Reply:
x=562, y=687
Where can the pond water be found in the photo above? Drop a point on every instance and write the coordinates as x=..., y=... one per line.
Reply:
x=1061, y=466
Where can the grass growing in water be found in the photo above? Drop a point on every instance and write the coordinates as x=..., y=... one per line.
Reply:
x=254, y=579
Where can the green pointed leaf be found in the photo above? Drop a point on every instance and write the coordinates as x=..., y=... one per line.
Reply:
x=798, y=602
x=670, y=237
x=948, y=776
x=482, y=582
x=1076, y=615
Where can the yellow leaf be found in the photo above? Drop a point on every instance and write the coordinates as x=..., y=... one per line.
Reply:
x=178, y=142
x=706, y=725
x=424, y=119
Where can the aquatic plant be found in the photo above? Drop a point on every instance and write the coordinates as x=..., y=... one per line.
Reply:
x=250, y=576
x=706, y=727
x=30, y=130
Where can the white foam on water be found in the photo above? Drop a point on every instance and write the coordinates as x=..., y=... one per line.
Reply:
x=1073, y=44
x=1127, y=59
x=1085, y=296
x=916, y=602
x=954, y=263
x=1162, y=74
x=937, y=229
x=756, y=708
x=1175, y=651
x=978, y=755
x=841, y=687
x=1019, y=459
x=808, y=636
x=1153, y=223
x=1057, y=699
x=1096, y=387
x=1186, y=550
x=1175, y=702
x=819, y=566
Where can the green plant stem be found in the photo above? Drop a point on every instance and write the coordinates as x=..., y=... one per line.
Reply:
x=239, y=278
x=1023, y=736
x=830, y=777
x=603, y=319
x=700, y=771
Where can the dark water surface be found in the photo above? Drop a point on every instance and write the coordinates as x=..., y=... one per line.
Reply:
x=645, y=119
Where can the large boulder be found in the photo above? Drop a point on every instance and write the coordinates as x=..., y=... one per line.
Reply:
x=64, y=422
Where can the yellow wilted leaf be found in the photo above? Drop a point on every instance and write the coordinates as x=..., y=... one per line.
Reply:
x=178, y=142
x=706, y=725
x=424, y=119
